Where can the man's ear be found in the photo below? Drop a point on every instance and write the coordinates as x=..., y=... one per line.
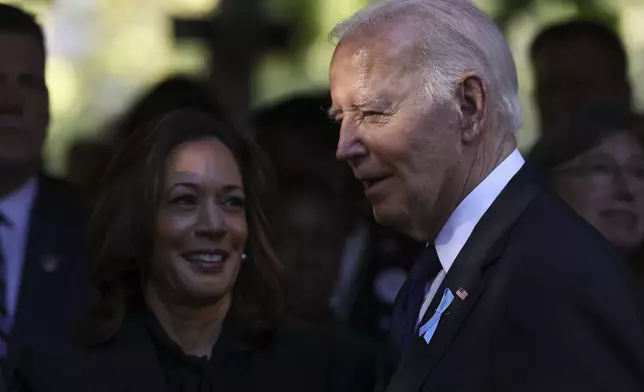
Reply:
x=471, y=95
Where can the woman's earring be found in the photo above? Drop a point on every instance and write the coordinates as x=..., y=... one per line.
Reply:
x=244, y=256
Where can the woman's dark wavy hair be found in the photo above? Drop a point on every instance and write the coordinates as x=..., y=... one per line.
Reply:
x=583, y=130
x=122, y=228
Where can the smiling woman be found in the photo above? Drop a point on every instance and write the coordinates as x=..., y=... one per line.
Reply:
x=171, y=199
x=189, y=290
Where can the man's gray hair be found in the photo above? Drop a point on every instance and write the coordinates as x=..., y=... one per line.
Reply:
x=453, y=37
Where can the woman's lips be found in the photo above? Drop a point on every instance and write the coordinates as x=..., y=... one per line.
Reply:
x=207, y=260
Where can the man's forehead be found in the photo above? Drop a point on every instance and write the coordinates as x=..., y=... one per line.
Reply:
x=371, y=59
x=23, y=47
x=353, y=52
x=384, y=38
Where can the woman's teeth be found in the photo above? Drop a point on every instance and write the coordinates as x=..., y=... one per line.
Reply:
x=206, y=258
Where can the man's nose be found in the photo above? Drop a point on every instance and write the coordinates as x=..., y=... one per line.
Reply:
x=350, y=146
x=212, y=221
x=10, y=97
x=623, y=185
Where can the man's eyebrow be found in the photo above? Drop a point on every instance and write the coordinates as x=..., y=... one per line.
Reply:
x=366, y=102
x=373, y=101
x=333, y=112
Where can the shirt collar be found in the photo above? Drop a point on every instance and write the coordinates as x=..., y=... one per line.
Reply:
x=461, y=223
x=17, y=205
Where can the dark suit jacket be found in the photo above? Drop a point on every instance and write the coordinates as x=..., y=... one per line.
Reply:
x=54, y=276
x=550, y=307
x=312, y=361
x=4, y=383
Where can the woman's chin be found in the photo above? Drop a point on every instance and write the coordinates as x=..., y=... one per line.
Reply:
x=205, y=287
x=206, y=295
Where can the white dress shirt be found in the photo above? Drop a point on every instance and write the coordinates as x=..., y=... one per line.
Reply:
x=16, y=207
x=461, y=223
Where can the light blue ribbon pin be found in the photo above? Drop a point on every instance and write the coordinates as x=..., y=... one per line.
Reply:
x=427, y=330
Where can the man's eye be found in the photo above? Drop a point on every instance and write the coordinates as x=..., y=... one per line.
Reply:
x=599, y=168
x=373, y=116
x=32, y=81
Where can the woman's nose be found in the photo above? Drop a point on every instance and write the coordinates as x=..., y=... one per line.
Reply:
x=212, y=221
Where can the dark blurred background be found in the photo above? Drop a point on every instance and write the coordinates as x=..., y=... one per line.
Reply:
x=105, y=54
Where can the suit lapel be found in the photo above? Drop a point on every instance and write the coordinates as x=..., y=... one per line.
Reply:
x=54, y=286
x=41, y=251
x=420, y=358
x=484, y=246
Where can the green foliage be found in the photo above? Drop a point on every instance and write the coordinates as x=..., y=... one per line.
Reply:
x=586, y=9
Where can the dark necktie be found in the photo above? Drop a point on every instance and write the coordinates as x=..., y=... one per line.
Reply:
x=4, y=314
x=410, y=299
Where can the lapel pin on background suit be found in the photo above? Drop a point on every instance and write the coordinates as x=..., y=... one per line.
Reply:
x=50, y=263
x=462, y=294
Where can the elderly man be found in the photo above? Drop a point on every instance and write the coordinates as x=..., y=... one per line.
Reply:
x=514, y=292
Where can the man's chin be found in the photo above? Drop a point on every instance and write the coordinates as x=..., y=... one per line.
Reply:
x=395, y=219
x=384, y=216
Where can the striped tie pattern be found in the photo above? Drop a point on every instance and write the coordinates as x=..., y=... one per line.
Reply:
x=4, y=314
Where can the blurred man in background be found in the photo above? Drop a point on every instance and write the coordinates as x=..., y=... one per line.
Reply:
x=577, y=64
x=41, y=222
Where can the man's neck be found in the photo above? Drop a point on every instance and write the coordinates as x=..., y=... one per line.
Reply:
x=483, y=163
x=11, y=179
x=194, y=329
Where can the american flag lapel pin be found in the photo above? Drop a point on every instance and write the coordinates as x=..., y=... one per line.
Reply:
x=462, y=293
x=50, y=263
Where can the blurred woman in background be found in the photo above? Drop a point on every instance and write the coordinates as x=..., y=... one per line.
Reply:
x=311, y=223
x=188, y=280
x=595, y=162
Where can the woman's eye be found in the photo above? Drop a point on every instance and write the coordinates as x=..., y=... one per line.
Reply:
x=184, y=201
x=234, y=202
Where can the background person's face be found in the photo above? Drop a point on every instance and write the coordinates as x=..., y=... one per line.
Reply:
x=24, y=101
x=299, y=156
x=201, y=228
x=403, y=148
x=606, y=187
x=310, y=235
